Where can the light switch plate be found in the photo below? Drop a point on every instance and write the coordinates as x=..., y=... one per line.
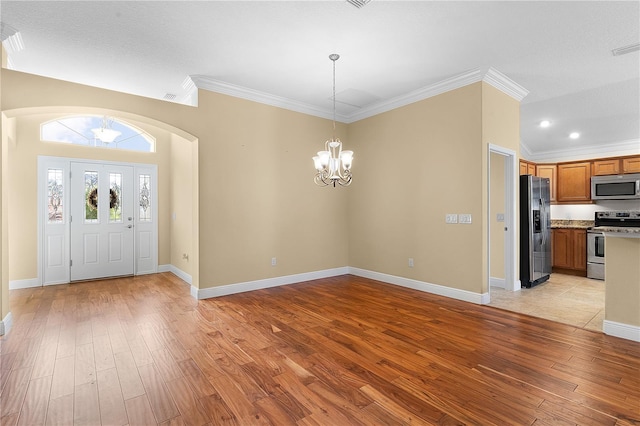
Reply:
x=500, y=217
x=464, y=218
x=451, y=218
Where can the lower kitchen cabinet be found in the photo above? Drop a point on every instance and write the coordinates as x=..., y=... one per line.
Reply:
x=569, y=248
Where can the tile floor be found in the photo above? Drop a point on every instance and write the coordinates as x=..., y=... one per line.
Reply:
x=577, y=301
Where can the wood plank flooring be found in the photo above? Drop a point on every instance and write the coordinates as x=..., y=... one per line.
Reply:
x=338, y=351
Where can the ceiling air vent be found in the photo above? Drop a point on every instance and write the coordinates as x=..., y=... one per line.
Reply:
x=626, y=49
x=358, y=3
x=170, y=97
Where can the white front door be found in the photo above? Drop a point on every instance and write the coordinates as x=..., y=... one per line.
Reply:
x=102, y=224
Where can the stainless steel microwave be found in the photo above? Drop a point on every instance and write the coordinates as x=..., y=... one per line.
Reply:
x=616, y=187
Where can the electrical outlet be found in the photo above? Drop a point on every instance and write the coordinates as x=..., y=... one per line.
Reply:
x=274, y=261
x=500, y=217
x=411, y=262
x=464, y=218
x=451, y=218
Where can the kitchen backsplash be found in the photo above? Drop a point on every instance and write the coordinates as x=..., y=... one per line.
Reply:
x=587, y=211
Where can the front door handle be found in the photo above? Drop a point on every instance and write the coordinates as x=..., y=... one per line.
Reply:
x=129, y=226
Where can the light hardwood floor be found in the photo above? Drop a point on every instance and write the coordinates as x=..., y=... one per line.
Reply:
x=337, y=351
x=568, y=299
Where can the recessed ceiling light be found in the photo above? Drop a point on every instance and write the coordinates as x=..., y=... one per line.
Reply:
x=574, y=135
x=545, y=123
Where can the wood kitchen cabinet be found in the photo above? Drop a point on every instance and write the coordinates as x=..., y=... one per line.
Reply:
x=631, y=165
x=527, y=168
x=569, y=251
x=548, y=171
x=606, y=167
x=574, y=182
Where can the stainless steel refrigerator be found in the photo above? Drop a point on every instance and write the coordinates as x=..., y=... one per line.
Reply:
x=535, y=230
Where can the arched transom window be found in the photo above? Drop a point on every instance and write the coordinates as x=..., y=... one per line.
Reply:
x=97, y=131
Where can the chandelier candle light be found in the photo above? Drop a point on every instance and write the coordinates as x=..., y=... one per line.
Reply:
x=333, y=164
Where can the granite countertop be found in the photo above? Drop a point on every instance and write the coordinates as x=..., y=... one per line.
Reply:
x=573, y=224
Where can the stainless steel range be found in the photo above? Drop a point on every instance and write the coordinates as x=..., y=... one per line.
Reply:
x=595, y=238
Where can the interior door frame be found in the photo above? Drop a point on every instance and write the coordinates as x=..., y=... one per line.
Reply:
x=45, y=162
x=512, y=283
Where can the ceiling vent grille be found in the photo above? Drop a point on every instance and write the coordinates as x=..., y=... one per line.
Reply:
x=358, y=3
x=626, y=49
x=170, y=97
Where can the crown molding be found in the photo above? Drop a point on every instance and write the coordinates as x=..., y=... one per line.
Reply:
x=491, y=76
x=207, y=83
x=613, y=149
x=11, y=38
x=426, y=92
x=525, y=151
x=505, y=84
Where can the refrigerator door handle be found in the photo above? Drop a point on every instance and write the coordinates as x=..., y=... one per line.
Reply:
x=543, y=220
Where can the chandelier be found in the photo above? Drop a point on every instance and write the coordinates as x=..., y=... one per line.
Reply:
x=333, y=165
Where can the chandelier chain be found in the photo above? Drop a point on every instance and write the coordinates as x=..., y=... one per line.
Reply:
x=334, y=58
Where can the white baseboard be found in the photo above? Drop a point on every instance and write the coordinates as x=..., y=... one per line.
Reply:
x=497, y=282
x=454, y=293
x=224, y=290
x=177, y=272
x=5, y=324
x=624, y=331
x=28, y=283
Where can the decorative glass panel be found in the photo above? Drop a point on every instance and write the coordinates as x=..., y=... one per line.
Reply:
x=55, y=192
x=91, y=196
x=115, y=191
x=145, y=198
x=94, y=131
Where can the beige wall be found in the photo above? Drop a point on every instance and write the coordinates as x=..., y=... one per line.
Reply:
x=497, y=235
x=622, y=269
x=257, y=196
x=4, y=218
x=181, y=211
x=416, y=164
x=501, y=127
x=4, y=241
x=23, y=151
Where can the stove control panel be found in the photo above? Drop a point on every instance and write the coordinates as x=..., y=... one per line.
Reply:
x=618, y=218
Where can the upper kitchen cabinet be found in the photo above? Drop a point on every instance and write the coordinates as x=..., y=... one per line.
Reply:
x=615, y=166
x=548, y=171
x=610, y=166
x=631, y=165
x=574, y=183
x=527, y=168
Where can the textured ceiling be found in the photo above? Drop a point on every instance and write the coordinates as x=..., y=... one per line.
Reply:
x=559, y=51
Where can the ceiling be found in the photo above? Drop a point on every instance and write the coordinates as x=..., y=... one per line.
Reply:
x=560, y=52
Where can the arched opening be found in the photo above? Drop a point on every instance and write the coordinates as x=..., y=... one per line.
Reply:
x=178, y=181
